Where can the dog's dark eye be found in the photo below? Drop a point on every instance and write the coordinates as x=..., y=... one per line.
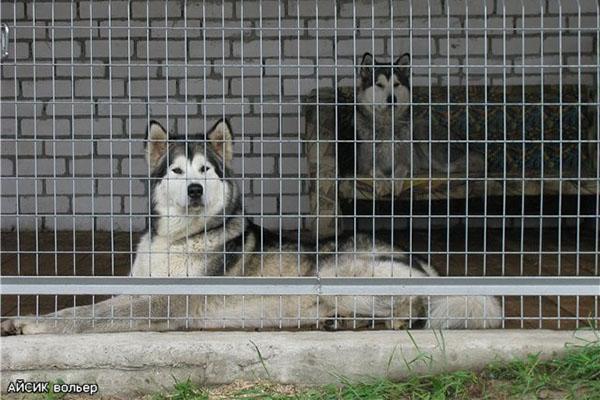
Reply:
x=204, y=168
x=396, y=84
x=380, y=85
x=178, y=171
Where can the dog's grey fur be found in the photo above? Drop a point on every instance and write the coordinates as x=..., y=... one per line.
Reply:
x=208, y=235
x=381, y=119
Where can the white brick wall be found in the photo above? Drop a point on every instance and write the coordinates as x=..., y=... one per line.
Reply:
x=102, y=56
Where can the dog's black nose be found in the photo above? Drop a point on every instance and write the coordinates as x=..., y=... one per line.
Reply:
x=392, y=99
x=195, y=191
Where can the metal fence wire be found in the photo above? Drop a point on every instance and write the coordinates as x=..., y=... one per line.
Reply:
x=299, y=164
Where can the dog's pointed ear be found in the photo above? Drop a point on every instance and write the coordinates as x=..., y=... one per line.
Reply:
x=221, y=139
x=366, y=66
x=156, y=143
x=404, y=59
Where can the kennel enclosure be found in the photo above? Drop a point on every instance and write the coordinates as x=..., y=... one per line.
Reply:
x=513, y=82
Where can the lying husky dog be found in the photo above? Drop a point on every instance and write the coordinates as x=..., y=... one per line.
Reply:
x=385, y=128
x=197, y=228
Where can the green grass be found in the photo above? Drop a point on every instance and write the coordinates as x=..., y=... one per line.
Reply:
x=575, y=375
x=55, y=396
x=184, y=391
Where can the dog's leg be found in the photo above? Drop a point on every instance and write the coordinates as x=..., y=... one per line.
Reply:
x=394, y=311
x=401, y=167
x=257, y=312
x=160, y=313
x=364, y=311
x=120, y=313
x=400, y=174
x=364, y=163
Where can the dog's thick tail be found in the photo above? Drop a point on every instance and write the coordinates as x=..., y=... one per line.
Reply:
x=464, y=312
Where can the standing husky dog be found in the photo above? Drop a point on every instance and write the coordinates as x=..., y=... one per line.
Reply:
x=197, y=228
x=383, y=125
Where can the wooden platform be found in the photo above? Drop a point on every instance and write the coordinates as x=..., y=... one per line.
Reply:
x=491, y=253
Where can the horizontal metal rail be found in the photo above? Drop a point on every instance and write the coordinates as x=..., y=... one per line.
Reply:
x=444, y=286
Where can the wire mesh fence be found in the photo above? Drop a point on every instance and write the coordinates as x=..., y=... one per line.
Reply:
x=299, y=164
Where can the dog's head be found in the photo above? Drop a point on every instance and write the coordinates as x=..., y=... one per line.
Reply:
x=383, y=85
x=189, y=176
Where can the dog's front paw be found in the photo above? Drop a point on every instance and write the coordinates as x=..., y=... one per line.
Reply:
x=341, y=324
x=382, y=188
x=398, y=186
x=396, y=324
x=26, y=326
x=329, y=325
x=11, y=327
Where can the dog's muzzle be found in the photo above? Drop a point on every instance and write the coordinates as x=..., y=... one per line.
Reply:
x=195, y=191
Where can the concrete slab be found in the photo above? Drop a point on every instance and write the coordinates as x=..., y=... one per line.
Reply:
x=143, y=362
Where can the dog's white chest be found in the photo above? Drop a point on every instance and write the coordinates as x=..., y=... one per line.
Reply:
x=159, y=257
